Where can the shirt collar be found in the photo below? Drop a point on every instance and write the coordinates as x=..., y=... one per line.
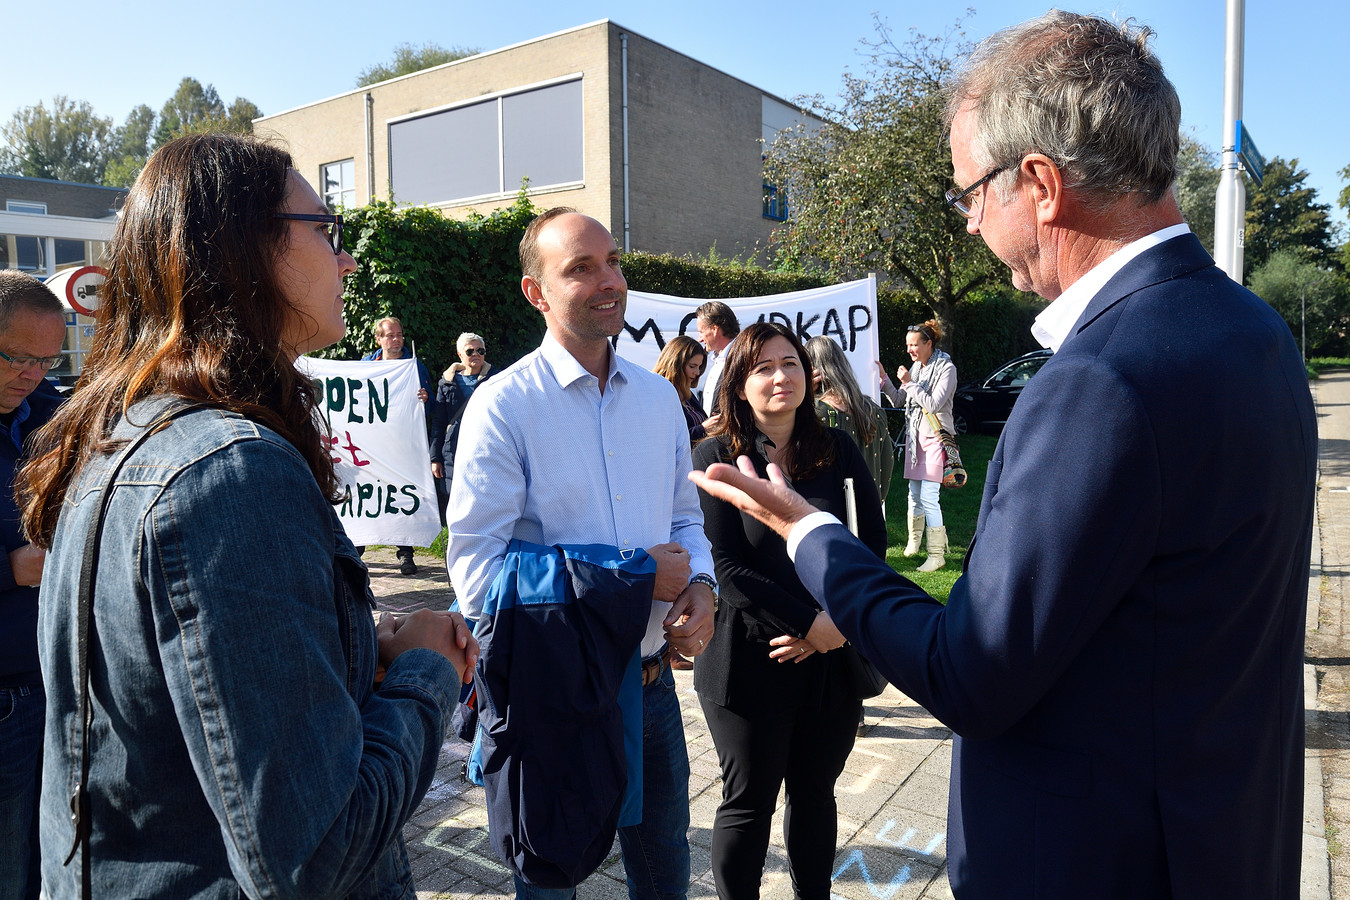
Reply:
x=565, y=366
x=1056, y=321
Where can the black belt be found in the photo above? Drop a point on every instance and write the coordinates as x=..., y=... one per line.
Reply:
x=653, y=666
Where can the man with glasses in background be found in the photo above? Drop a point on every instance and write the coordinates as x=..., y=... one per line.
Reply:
x=1123, y=658
x=32, y=331
x=453, y=391
x=389, y=335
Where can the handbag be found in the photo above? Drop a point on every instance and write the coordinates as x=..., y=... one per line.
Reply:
x=953, y=473
x=865, y=681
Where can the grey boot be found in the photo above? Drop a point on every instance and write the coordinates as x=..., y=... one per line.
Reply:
x=937, y=550
x=915, y=535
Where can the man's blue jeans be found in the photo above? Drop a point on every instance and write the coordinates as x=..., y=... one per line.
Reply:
x=656, y=852
x=22, y=710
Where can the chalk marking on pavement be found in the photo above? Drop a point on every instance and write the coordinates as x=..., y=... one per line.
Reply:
x=885, y=892
x=433, y=840
x=864, y=782
x=904, y=841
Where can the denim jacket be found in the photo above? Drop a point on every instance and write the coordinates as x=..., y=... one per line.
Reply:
x=238, y=745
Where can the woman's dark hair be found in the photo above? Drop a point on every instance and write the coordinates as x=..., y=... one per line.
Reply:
x=811, y=448
x=192, y=307
x=674, y=356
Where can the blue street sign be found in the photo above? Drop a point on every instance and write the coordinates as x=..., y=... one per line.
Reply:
x=1252, y=160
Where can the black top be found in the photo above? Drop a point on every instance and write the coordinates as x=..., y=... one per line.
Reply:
x=761, y=594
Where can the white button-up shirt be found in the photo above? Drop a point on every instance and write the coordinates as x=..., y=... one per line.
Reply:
x=545, y=457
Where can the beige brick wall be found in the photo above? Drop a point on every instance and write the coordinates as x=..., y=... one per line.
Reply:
x=694, y=155
x=693, y=136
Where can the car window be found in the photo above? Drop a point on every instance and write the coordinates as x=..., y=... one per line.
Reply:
x=1017, y=374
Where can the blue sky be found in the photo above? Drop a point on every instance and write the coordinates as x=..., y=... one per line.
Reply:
x=281, y=55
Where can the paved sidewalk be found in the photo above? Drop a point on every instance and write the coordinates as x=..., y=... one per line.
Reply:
x=892, y=796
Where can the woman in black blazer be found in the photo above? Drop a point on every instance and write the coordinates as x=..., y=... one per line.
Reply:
x=772, y=682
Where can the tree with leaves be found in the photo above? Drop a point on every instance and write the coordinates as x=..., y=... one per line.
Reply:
x=1304, y=293
x=196, y=108
x=1283, y=214
x=67, y=141
x=408, y=59
x=866, y=191
x=1197, y=187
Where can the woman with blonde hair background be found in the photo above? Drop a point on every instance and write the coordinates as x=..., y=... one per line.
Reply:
x=841, y=404
x=928, y=386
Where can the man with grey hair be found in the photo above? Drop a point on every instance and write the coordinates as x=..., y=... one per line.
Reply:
x=453, y=391
x=1122, y=659
x=32, y=330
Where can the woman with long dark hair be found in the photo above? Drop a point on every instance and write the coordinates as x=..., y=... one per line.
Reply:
x=773, y=682
x=231, y=740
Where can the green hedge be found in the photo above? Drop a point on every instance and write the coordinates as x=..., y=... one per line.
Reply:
x=443, y=276
x=440, y=277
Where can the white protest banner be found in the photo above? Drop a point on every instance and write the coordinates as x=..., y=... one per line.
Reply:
x=379, y=444
x=845, y=312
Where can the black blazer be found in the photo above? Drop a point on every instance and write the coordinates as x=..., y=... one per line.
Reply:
x=762, y=596
x=1122, y=658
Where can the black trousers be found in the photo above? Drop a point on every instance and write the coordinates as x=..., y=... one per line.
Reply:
x=803, y=740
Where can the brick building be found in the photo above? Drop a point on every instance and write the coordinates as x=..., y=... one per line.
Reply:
x=663, y=149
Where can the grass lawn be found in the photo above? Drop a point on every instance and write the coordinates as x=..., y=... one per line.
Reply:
x=960, y=509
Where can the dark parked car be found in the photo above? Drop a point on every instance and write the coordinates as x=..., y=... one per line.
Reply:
x=983, y=406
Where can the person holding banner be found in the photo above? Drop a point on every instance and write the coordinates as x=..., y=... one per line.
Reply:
x=205, y=628
x=773, y=684
x=926, y=392
x=573, y=444
x=389, y=336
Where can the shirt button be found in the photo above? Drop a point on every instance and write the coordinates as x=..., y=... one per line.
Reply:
x=611, y=453
x=618, y=497
x=625, y=543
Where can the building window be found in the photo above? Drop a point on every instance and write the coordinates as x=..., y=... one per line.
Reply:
x=485, y=148
x=28, y=207
x=339, y=184
x=775, y=203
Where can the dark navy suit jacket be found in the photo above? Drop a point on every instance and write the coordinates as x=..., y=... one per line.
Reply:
x=1122, y=659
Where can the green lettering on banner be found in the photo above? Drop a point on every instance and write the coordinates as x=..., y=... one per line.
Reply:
x=353, y=385
x=410, y=491
x=345, y=503
x=364, y=492
x=378, y=410
x=389, y=497
x=335, y=397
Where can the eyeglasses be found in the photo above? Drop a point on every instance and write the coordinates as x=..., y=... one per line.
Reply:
x=45, y=363
x=333, y=232
x=923, y=331
x=474, y=351
x=959, y=199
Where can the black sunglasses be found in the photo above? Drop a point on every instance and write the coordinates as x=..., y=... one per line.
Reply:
x=924, y=332
x=334, y=222
x=474, y=351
